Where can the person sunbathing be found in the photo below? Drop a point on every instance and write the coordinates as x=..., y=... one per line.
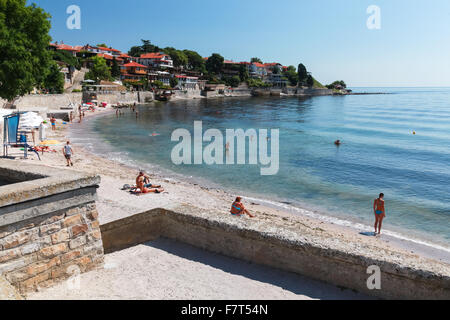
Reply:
x=238, y=209
x=144, y=185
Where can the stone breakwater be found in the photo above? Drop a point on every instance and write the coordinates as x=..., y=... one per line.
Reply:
x=292, y=247
x=49, y=229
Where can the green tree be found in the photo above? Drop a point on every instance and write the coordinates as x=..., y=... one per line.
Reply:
x=54, y=79
x=173, y=82
x=291, y=75
x=99, y=70
x=302, y=74
x=195, y=61
x=336, y=84
x=102, y=45
x=309, y=81
x=233, y=81
x=243, y=73
x=67, y=58
x=24, y=39
x=146, y=47
x=115, y=69
x=256, y=60
x=214, y=64
x=179, y=57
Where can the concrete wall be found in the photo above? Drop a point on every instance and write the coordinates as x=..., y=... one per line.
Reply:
x=238, y=240
x=48, y=225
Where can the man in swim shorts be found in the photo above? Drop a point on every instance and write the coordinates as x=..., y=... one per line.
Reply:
x=238, y=209
x=380, y=213
x=68, y=152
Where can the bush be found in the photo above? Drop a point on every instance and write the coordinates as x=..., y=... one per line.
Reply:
x=257, y=83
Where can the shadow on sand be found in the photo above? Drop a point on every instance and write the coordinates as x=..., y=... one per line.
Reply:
x=292, y=282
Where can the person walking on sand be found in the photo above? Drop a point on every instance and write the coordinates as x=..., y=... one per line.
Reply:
x=380, y=212
x=238, y=209
x=68, y=152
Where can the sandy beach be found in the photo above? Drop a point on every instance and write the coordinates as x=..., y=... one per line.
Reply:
x=113, y=204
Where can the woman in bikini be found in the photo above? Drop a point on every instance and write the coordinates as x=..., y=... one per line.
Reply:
x=380, y=213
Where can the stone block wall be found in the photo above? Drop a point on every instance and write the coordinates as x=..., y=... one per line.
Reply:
x=49, y=228
x=41, y=251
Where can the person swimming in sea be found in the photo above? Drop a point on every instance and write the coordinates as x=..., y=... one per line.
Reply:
x=380, y=212
x=338, y=143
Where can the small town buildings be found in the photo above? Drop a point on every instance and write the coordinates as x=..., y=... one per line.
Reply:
x=278, y=80
x=156, y=61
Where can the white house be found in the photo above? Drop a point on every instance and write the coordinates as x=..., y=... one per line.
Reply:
x=156, y=60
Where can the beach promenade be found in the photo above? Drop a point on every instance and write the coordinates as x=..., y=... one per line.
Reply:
x=114, y=204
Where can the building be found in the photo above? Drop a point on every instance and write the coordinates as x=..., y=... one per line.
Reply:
x=162, y=76
x=186, y=82
x=256, y=69
x=113, y=52
x=73, y=50
x=278, y=80
x=231, y=68
x=156, y=61
x=133, y=72
x=273, y=67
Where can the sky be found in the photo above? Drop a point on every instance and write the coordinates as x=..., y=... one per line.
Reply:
x=330, y=37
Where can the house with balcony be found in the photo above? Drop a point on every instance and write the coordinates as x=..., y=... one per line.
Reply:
x=162, y=76
x=278, y=80
x=273, y=67
x=186, y=82
x=133, y=72
x=156, y=61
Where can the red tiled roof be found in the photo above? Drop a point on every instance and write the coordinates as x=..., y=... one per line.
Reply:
x=66, y=47
x=257, y=64
x=185, y=77
x=123, y=55
x=272, y=64
x=134, y=64
x=153, y=55
x=243, y=62
x=108, y=49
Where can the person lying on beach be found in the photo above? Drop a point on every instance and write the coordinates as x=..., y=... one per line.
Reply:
x=380, y=212
x=144, y=185
x=238, y=209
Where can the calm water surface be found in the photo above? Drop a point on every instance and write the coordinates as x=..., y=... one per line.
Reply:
x=379, y=152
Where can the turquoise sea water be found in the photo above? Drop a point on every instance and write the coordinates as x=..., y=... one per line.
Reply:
x=379, y=152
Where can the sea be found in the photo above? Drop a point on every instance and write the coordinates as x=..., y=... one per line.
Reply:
x=394, y=140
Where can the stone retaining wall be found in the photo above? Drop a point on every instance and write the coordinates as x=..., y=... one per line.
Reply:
x=49, y=229
x=245, y=240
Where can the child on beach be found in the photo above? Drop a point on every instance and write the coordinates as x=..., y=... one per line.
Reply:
x=53, y=122
x=380, y=212
x=238, y=209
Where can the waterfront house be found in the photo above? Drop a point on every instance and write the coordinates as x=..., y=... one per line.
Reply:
x=133, y=72
x=256, y=69
x=156, y=61
x=186, y=82
x=162, y=76
x=278, y=80
x=274, y=67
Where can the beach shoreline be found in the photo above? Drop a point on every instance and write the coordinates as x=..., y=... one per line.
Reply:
x=216, y=198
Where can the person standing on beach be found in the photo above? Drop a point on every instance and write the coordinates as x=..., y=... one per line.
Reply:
x=53, y=122
x=238, y=209
x=380, y=212
x=68, y=152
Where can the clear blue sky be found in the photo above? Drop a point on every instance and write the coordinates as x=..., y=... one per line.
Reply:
x=330, y=37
